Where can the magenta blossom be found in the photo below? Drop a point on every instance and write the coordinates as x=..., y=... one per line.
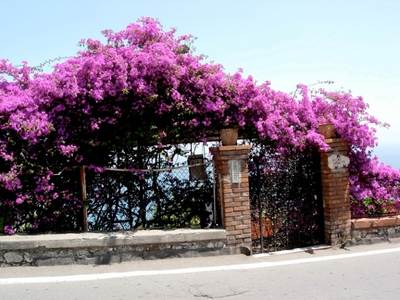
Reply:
x=90, y=104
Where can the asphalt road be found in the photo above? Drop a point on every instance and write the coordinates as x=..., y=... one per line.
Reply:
x=364, y=272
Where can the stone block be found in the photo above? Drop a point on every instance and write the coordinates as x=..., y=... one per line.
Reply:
x=28, y=257
x=55, y=261
x=384, y=222
x=13, y=257
x=363, y=223
x=159, y=243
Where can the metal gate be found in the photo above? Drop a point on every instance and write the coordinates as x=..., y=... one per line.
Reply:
x=286, y=199
x=162, y=188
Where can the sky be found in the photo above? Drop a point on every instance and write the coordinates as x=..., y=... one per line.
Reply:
x=354, y=43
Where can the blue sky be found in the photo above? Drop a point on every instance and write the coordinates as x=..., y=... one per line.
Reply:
x=354, y=43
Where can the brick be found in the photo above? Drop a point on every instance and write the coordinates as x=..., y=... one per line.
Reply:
x=236, y=233
x=229, y=204
x=229, y=218
x=243, y=236
x=246, y=218
x=234, y=213
x=240, y=208
x=245, y=182
x=244, y=179
x=229, y=198
x=229, y=223
x=242, y=226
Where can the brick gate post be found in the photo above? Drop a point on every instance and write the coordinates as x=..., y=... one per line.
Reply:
x=335, y=187
x=231, y=171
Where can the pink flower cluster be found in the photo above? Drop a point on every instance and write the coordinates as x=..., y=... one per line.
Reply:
x=49, y=121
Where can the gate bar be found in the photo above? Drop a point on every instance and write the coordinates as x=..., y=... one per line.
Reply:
x=84, y=199
x=260, y=221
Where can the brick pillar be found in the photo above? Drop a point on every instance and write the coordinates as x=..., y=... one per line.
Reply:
x=335, y=187
x=233, y=193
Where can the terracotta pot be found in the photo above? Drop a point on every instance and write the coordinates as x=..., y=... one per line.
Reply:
x=328, y=131
x=229, y=136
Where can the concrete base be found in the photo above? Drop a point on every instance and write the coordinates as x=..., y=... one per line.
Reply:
x=374, y=230
x=374, y=235
x=104, y=248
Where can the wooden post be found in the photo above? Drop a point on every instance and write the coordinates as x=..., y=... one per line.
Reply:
x=84, y=199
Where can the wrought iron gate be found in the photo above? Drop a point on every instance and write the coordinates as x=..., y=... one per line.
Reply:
x=168, y=188
x=286, y=199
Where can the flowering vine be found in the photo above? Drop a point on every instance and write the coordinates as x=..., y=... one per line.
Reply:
x=139, y=83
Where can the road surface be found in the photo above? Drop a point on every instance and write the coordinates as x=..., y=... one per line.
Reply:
x=362, y=272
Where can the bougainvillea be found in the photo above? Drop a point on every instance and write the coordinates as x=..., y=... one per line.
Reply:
x=146, y=85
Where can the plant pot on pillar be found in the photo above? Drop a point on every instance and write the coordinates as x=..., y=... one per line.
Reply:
x=328, y=130
x=229, y=136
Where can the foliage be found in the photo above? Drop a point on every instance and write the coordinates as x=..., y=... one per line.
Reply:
x=146, y=86
x=372, y=207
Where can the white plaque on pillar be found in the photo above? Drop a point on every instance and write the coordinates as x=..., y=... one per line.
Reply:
x=234, y=168
x=338, y=161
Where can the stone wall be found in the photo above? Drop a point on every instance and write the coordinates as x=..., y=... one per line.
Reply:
x=373, y=230
x=100, y=248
